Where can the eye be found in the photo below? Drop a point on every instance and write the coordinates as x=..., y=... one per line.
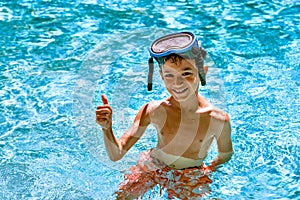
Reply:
x=187, y=74
x=169, y=75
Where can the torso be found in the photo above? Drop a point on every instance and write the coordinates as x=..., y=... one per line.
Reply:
x=181, y=133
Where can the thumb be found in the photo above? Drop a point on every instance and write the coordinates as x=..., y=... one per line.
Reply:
x=104, y=99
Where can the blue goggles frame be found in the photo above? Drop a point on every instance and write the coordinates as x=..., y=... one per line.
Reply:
x=183, y=44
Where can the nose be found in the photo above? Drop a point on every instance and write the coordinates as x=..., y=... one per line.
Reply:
x=178, y=80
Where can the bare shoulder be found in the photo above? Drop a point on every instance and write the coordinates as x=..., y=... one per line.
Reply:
x=156, y=106
x=145, y=114
x=157, y=111
x=214, y=112
x=220, y=114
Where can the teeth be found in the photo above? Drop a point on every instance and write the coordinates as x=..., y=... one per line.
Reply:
x=180, y=91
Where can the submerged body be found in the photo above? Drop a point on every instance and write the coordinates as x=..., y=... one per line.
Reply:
x=183, y=144
x=186, y=125
x=188, y=183
x=176, y=164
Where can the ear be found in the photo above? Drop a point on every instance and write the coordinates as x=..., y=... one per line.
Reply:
x=205, y=69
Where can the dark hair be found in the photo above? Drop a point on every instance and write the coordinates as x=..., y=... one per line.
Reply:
x=174, y=58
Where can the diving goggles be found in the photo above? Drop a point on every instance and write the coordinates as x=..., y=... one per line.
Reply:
x=183, y=44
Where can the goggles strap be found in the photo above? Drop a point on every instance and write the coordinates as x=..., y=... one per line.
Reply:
x=150, y=74
x=199, y=63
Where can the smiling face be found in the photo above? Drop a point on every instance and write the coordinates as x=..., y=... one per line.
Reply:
x=180, y=77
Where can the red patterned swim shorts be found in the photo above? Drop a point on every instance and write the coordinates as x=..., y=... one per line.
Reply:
x=189, y=183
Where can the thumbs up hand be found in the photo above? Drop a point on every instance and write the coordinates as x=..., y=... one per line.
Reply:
x=104, y=114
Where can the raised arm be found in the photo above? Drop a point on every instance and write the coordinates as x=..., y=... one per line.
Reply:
x=116, y=149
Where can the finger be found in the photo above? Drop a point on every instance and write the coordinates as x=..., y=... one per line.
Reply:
x=102, y=118
x=164, y=103
x=103, y=115
x=101, y=121
x=103, y=111
x=104, y=99
x=103, y=107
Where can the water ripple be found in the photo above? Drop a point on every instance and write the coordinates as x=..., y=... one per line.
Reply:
x=255, y=46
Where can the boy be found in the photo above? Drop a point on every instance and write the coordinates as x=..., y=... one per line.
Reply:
x=186, y=124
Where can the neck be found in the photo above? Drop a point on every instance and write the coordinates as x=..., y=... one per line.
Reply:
x=189, y=104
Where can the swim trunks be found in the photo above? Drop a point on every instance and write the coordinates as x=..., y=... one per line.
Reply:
x=189, y=183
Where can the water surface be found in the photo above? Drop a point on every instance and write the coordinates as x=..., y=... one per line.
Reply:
x=57, y=58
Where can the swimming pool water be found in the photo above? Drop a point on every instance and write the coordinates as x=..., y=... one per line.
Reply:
x=58, y=57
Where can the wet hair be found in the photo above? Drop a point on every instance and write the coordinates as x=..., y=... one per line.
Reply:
x=173, y=58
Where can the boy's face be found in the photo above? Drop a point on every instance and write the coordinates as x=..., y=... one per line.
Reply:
x=181, y=78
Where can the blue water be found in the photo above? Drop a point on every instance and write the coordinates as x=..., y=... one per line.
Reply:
x=57, y=58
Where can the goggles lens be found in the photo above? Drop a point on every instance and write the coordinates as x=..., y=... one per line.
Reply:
x=173, y=43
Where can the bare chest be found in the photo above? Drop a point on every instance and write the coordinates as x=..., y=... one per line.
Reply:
x=183, y=136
